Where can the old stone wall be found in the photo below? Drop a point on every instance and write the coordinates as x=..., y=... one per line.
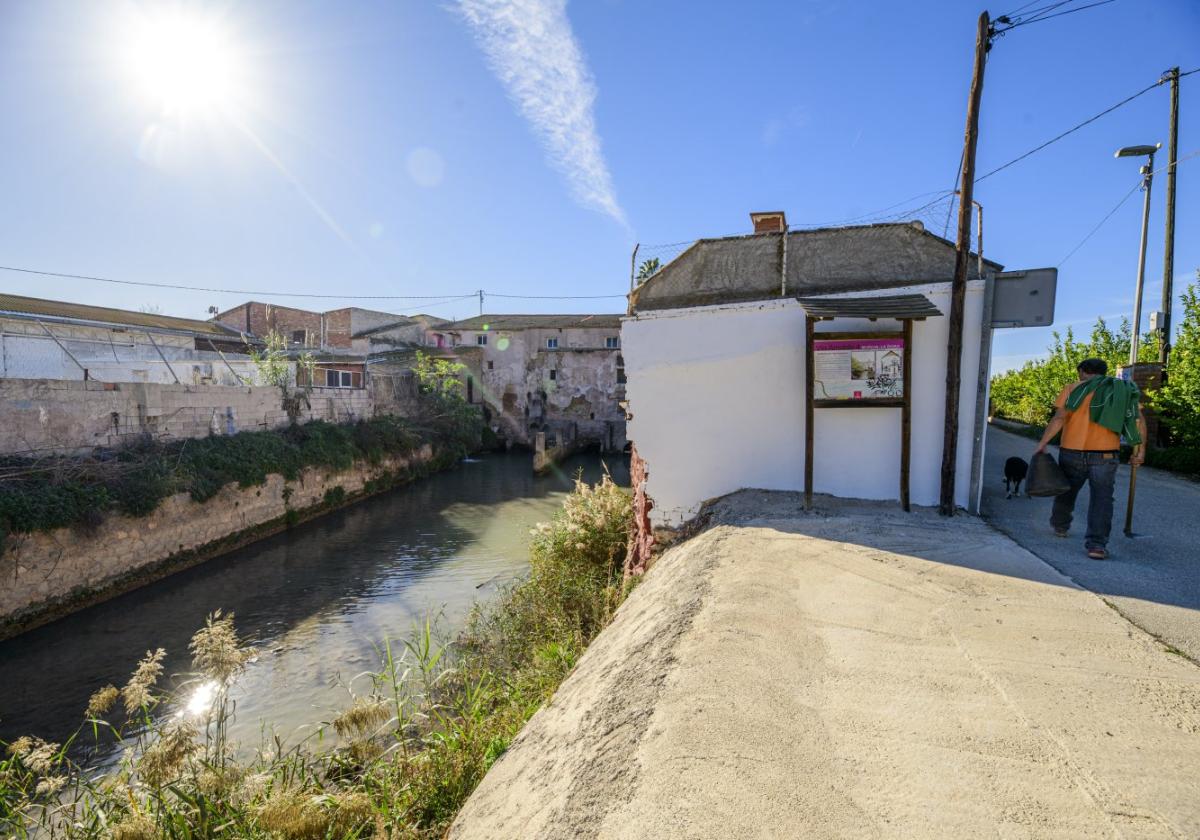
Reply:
x=49, y=574
x=54, y=415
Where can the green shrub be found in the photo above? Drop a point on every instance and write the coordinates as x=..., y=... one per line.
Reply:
x=1027, y=395
x=1178, y=402
x=1180, y=459
x=65, y=492
x=408, y=754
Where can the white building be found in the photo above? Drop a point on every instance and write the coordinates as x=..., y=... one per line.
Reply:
x=715, y=354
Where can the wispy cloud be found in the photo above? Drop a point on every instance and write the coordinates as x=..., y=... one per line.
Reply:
x=532, y=50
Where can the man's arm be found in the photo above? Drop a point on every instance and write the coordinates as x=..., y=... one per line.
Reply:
x=1139, y=452
x=1052, y=428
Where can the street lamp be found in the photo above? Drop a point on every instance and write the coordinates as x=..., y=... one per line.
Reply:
x=1147, y=171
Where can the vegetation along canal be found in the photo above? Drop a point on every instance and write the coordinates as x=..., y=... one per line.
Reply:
x=317, y=602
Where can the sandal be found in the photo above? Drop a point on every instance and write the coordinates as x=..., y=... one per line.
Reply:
x=1097, y=553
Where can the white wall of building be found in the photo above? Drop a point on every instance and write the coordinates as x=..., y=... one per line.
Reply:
x=716, y=397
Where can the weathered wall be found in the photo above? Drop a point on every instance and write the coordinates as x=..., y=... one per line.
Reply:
x=582, y=397
x=48, y=574
x=716, y=396
x=819, y=261
x=65, y=416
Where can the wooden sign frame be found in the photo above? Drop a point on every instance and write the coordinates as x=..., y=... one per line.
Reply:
x=904, y=403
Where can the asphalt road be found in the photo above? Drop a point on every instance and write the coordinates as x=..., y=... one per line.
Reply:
x=1153, y=579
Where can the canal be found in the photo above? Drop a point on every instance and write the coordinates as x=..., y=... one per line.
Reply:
x=316, y=601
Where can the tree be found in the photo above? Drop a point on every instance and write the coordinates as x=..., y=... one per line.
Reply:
x=1028, y=394
x=648, y=269
x=443, y=404
x=1178, y=401
x=274, y=365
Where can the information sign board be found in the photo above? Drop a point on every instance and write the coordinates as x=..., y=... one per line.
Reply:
x=856, y=369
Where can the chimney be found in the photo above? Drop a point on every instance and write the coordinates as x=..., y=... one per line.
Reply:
x=769, y=222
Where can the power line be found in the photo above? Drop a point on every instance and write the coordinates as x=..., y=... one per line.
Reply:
x=1100, y=224
x=1069, y=131
x=549, y=297
x=436, y=300
x=1124, y=198
x=1042, y=14
x=219, y=291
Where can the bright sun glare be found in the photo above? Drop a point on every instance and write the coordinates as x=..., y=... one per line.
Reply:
x=182, y=62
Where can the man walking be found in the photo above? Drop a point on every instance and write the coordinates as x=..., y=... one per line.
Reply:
x=1093, y=414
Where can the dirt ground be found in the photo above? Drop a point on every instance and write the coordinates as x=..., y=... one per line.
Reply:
x=856, y=672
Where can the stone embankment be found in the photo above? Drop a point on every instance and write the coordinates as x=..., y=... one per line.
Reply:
x=855, y=672
x=46, y=575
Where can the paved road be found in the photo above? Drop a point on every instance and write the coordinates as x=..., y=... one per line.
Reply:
x=855, y=672
x=1154, y=580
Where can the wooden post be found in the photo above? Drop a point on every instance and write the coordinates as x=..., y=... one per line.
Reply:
x=809, y=379
x=1168, y=295
x=958, y=290
x=906, y=416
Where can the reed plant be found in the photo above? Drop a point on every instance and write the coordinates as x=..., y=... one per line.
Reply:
x=413, y=742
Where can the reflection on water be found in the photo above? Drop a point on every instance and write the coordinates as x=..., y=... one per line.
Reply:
x=315, y=601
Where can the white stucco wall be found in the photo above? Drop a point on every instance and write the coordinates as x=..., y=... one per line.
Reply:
x=716, y=398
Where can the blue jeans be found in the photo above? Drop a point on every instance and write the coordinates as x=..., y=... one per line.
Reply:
x=1099, y=471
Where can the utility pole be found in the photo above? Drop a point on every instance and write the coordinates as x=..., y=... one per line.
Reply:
x=1164, y=338
x=958, y=291
x=481, y=302
x=1147, y=172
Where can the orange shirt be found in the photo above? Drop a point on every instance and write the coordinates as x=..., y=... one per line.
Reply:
x=1079, y=432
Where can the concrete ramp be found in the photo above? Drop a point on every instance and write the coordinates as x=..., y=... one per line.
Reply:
x=856, y=672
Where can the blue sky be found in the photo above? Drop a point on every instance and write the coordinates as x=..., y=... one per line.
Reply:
x=423, y=148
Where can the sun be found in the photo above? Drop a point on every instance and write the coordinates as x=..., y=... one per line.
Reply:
x=181, y=62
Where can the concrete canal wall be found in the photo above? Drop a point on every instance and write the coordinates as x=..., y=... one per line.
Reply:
x=47, y=575
x=39, y=416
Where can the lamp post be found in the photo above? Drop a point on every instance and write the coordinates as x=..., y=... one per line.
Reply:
x=1147, y=171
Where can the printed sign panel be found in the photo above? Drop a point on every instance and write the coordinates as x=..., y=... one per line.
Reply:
x=858, y=368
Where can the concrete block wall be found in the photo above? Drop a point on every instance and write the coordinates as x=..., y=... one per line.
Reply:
x=50, y=574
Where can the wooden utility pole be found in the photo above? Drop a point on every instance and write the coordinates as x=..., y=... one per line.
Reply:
x=958, y=291
x=1168, y=293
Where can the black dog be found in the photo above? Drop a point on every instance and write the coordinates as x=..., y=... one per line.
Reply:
x=1015, y=470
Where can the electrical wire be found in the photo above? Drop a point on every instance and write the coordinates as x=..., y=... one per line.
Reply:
x=1041, y=15
x=221, y=291
x=1124, y=198
x=1069, y=131
x=550, y=297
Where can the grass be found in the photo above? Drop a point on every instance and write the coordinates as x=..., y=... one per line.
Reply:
x=410, y=748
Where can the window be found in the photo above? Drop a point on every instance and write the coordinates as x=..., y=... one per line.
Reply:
x=342, y=379
x=612, y=342
x=299, y=337
x=489, y=364
x=481, y=340
x=620, y=369
x=551, y=344
x=553, y=375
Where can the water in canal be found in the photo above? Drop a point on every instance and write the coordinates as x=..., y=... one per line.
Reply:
x=315, y=601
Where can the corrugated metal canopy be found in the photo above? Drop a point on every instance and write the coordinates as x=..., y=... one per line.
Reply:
x=893, y=306
x=104, y=315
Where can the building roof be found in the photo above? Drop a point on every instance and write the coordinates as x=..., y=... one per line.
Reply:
x=533, y=322
x=400, y=322
x=62, y=310
x=818, y=262
x=893, y=306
